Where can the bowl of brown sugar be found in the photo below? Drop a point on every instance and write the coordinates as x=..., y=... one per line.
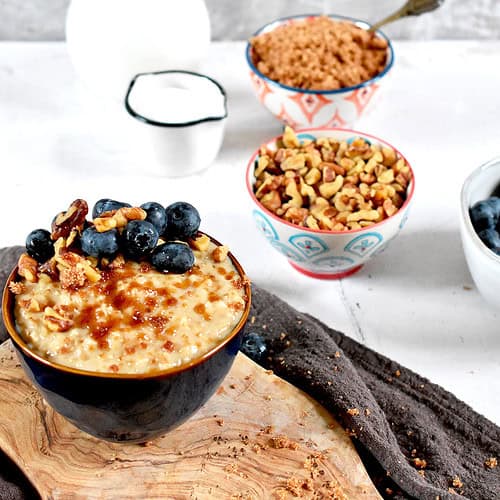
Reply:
x=318, y=70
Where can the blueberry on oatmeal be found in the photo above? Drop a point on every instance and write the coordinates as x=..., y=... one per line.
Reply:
x=173, y=257
x=139, y=239
x=106, y=205
x=96, y=244
x=39, y=245
x=156, y=215
x=183, y=220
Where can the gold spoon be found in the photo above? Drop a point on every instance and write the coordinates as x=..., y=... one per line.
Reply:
x=410, y=8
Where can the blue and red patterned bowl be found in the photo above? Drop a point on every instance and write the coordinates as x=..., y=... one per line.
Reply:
x=320, y=253
x=301, y=108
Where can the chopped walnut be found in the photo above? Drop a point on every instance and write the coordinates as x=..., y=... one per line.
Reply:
x=49, y=268
x=200, y=243
x=28, y=268
x=420, y=463
x=330, y=185
x=55, y=321
x=491, y=462
x=118, y=218
x=118, y=262
x=75, y=270
x=73, y=218
x=219, y=253
x=17, y=287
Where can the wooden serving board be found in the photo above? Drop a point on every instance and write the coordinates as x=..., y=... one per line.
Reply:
x=258, y=437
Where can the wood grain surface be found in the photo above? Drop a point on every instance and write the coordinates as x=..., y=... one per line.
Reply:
x=258, y=437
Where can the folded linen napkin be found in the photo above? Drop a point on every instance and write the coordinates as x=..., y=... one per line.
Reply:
x=416, y=439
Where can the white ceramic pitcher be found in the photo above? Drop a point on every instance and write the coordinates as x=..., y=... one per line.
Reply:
x=110, y=41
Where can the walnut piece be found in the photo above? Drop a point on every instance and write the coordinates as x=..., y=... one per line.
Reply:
x=200, y=243
x=219, y=253
x=74, y=270
x=73, y=218
x=28, y=268
x=17, y=287
x=55, y=321
x=118, y=218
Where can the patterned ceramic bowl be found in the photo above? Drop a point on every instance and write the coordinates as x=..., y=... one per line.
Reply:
x=316, y=108
x=320, y=253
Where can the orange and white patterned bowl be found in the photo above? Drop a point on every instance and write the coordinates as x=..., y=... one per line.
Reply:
x=301, y=108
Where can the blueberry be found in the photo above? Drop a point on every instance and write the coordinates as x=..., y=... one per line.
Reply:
x=39, y=245
x=156, y=215
x=483, y=215
x=173, y=257
x=491, y=239
x=494, y=203
x=254, y=346
x=139, y=239
x=106, y=205
x=183, y=220
x=95, y=244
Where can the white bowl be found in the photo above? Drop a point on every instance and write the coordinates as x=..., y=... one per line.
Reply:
x=484, y=264
x=317, y=108
x=320, y=253
x=184, y=114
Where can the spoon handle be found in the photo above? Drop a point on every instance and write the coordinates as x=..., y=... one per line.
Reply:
x=410, y=8
x=402, y=12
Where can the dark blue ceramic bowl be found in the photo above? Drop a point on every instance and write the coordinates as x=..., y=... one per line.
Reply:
x=128, y=408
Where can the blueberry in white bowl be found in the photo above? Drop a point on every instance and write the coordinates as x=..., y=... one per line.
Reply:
x=484, y=214
x=479, y=225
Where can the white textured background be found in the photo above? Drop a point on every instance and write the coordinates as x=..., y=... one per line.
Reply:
x=237, y=19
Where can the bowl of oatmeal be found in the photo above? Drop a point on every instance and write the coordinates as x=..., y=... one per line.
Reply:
x=128, y=322
x=329, y=200
x=318, y=70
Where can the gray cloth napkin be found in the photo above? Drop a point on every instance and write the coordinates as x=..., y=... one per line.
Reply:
x=416, y=439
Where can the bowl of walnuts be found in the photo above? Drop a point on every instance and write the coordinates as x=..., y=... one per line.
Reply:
x=329, y=199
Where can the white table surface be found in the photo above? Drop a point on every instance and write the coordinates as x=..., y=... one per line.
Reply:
x=411, y=303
